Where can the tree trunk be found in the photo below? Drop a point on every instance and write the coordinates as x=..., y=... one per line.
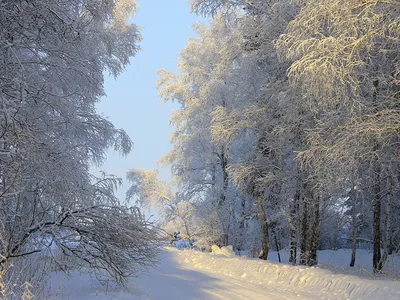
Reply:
x=188, y=232
x=264, y=227
x=353, y=195
x=377, y=259
x=277, y=247
x=304, y=235
x=293, y=250
x=389, y=229
x=389, y=243
x=294, y=227
x=313, y=256
x=388, y=217
x=224, y=166
x=222, y=200
x=240, y=244
x=213, y=182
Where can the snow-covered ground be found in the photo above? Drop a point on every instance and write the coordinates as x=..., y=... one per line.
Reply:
x=190, y=274
x=338, y=261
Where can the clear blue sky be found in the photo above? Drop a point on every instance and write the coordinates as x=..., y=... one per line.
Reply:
x=131, y=102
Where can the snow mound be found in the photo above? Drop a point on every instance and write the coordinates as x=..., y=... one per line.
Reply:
x=226, y=251
x=307, y=279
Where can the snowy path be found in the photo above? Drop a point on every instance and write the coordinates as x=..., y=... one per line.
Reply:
x=173, y=280
x=195, y=275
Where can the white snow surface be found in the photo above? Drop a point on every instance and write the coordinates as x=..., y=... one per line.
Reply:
x=190, y=274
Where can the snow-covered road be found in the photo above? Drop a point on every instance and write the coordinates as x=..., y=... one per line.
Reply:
x=195, y=275
x=173, y=279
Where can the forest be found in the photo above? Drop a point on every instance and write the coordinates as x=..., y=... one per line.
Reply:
x=287, y=136
x=288, y=131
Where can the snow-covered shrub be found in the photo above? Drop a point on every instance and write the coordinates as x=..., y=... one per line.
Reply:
x=226, y=251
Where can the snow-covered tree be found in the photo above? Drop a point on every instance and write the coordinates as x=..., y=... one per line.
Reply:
x=345, y=58
x=54, y=55
x=201, y=87
x=151, y=192
x=309, y=120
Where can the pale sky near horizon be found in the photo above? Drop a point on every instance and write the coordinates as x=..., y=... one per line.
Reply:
x=131, y=102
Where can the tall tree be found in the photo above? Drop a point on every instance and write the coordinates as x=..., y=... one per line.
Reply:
x=345, y=57
x=202, y=86
x=52, y=63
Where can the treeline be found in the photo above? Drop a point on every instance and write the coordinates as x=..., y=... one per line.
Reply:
x=289, y=126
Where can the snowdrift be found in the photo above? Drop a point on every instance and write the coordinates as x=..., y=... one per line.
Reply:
x=269, y=273
x=225, y=251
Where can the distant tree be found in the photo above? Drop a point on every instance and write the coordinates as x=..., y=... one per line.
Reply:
x=150, y=191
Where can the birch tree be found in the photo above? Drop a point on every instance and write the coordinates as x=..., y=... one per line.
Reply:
x=199, y=163
x=345, y=57
x=326, y=116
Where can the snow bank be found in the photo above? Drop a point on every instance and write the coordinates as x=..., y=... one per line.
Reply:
x=338, y=261
x=298, y=277
x=225, y=251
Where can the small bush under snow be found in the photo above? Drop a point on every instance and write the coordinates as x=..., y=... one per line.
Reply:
x=226, y=251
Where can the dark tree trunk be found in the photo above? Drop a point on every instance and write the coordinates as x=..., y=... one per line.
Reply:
x=377, y=259
x=313, y=256
x=353, y=196
x=224, y=165
x=224, y=240
x=273, y=225
x=213, y=182
x=240, y=244
x=293, y=251
x=304, y=226
x=277, y=247
x=264, y=227
x=389, y=229
x=294, y=227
